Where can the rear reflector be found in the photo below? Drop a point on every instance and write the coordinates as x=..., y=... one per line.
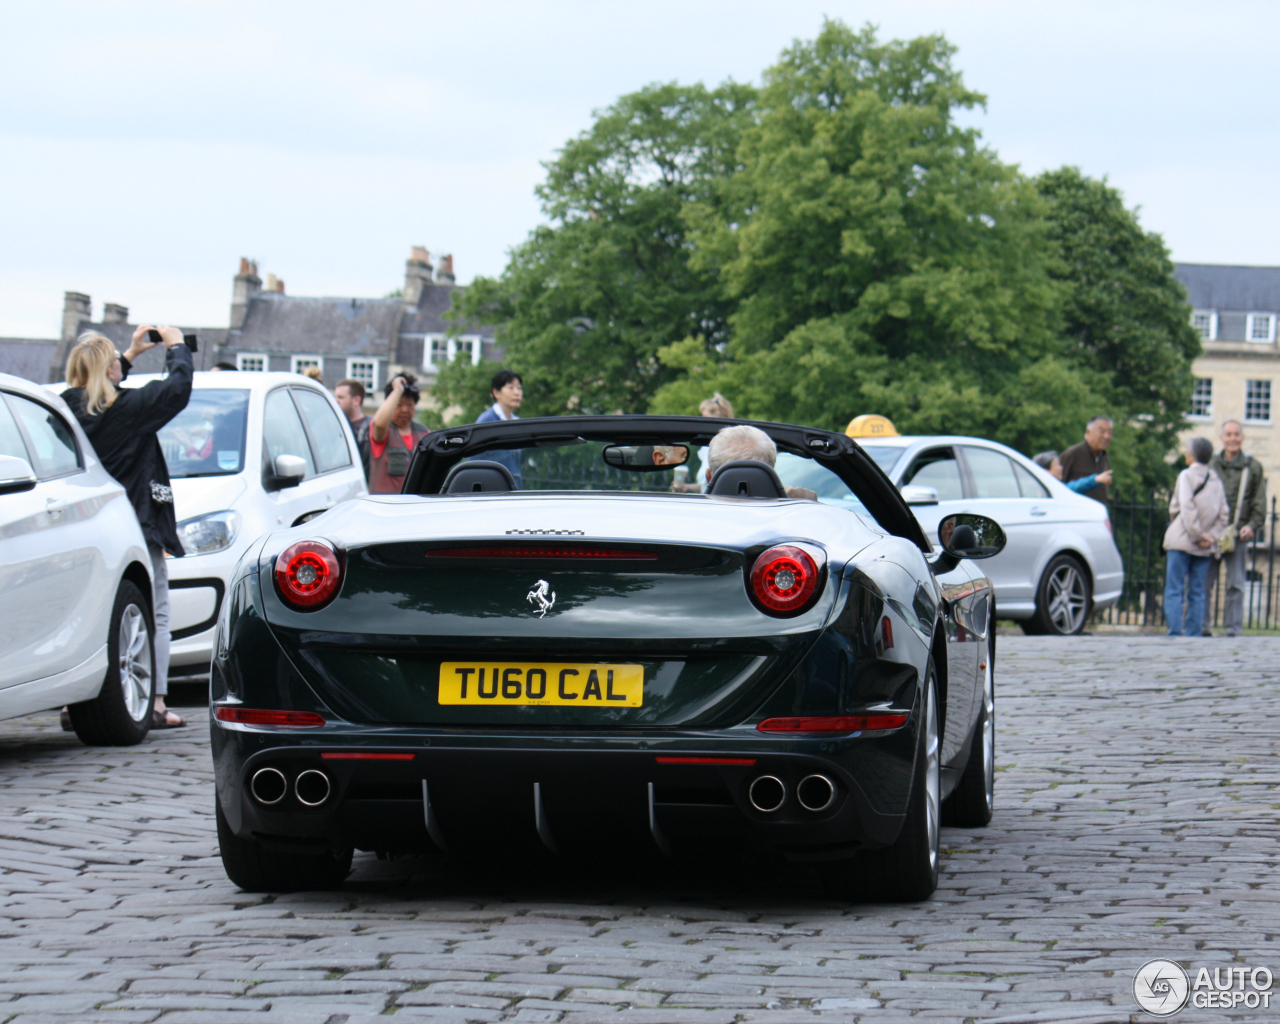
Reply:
x=368, y=757
x=706, y=760
x=833, y=723
x=259, y=716
x=537, y=551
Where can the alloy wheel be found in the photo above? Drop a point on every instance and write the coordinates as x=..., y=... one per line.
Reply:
x=135, y=663
x=1068, y=601
x=933, y=778
x=989, y=735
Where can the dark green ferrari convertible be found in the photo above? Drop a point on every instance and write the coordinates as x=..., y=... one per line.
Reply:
x=629, y=641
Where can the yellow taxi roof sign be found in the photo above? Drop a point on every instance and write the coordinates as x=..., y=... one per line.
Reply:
x=871, y=425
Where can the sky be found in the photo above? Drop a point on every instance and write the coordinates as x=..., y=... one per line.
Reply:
x=146, y=146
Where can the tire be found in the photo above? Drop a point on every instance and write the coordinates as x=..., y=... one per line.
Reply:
x=120, y=716
x=906, y=871
x=256, y=868
x=972, y=803
x=1064, y=598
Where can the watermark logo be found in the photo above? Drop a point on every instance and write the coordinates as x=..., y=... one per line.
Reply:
x=1161, y=987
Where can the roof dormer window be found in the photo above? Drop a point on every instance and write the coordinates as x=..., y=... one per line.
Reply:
x=1261, y=327
x=1205, y=322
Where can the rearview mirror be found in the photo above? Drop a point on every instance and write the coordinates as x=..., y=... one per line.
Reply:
x=964, y=535
x=286, y=471
x=639, y=457
x=16, y=475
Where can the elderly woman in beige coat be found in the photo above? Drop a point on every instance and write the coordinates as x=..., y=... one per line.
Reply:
x=1198, y=514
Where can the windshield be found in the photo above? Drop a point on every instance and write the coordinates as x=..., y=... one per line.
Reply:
x=884, y=456
x=207, y=437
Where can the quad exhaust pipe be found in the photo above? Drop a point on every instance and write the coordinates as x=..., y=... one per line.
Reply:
x=269, y=786
x=816, y=793
x=768, y=793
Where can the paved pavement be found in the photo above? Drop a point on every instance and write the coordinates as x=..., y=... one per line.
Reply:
x=1136, y=818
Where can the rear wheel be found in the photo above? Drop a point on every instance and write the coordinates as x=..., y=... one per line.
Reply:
x=1063, y=599
x=257, y=868
x=907, y=871
x=120, y=715
x=972, y=803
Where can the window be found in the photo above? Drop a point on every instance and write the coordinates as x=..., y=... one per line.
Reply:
x=1257, y=401
x=937, y=469
x=207, y=437
x=992, y=474
x=1202, y=399
x=438, y=349
x=1262, y=327
x=1027, y=483
x=52, y=444
x=282, y=431
x=365, y=371
x=301, y=364
x=251, y=362
x=1205, y=321
x=327, y=435
x=10, y=440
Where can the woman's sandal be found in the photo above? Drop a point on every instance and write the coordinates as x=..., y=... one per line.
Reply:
x=160, y=720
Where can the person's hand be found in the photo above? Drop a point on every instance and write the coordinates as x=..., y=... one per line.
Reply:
x=171, y=335
x=397, y=386
x=1246, y=532
x=1205, y=542
x=139, y=343
x=1105, y=478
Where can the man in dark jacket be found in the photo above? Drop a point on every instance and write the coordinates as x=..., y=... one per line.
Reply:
x=1089, y=457
x=1230, y=464
x=123, y=432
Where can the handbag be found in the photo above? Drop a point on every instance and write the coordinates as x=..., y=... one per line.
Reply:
x=1228, y=542
x=1164, y=544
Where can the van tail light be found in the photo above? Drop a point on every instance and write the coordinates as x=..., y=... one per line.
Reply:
x=784, y=579
x=833, y=723
x=308, y=574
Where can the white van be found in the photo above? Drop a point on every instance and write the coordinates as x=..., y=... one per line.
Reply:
x=251, y=453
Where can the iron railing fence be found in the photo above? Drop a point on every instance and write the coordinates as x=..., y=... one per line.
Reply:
x=1138, y=525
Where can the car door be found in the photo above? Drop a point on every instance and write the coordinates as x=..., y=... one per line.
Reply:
x=1009, y=494
x=938, y=468
x=332, y=445
x=52, y=572
x=284, y=434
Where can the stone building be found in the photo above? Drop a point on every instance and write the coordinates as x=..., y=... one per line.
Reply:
x=1235, y=310
x=367, y=339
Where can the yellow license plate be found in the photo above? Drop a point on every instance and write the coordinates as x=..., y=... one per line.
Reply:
x=559, y=685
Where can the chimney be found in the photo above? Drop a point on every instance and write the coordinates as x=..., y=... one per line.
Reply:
x=114, y=313
x=247, y=285
x=445, y=274
x=75, y=308
x=274, y=284
x=417, y=274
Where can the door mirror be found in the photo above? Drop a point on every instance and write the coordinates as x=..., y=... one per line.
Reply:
x=964, y=535
x=287, y=471
x=639, y=457
x=915, y=495
x=15, y=475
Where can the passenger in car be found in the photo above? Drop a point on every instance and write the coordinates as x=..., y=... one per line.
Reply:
x=747, y=443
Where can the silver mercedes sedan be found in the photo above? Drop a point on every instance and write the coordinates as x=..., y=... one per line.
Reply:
x=1060, y=563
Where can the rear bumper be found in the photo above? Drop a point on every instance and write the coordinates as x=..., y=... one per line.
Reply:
x=566, y=793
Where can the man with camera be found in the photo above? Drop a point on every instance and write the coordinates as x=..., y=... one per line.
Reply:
x=393, y=434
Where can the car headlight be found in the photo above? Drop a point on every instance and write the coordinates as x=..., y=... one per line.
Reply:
x=204, y=535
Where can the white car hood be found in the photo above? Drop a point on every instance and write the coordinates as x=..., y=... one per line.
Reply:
x=200, y=495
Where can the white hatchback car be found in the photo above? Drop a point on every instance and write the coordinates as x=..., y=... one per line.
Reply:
x=75, y=578
x=251, y=453
x=1060, y=562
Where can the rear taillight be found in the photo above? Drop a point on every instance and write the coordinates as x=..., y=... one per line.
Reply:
x=539, y=551
x=783, y=579
x=833, y=723
x=269, y=716
x=308, y=574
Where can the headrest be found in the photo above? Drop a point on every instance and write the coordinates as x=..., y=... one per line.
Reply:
x=746, y=479
x=478, y=476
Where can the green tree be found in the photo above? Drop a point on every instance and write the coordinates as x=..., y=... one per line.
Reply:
x=879, y=256
x=1126, y=320
x=588, y=299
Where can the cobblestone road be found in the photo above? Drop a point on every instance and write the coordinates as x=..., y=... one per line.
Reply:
x=1136, y=817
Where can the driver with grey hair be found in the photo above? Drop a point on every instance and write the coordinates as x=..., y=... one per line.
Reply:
x=749, y=444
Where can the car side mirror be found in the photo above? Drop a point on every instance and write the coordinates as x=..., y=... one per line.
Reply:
x=16, y=475
x=914, y=494
x=965, y=535
x=287, y=471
